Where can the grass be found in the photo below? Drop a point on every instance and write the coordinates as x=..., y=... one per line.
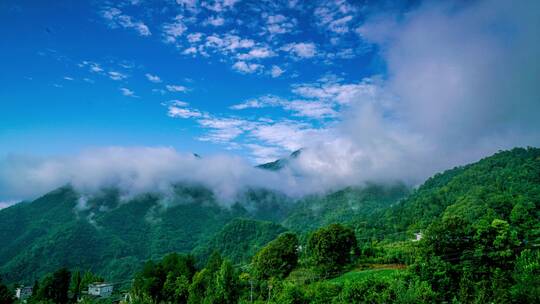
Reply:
x=356, y=275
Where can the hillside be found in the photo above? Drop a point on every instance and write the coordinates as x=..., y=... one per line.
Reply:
x=497, y=186
x=107, y=236
x=113, y=237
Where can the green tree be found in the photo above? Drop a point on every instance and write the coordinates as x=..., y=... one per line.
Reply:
x=527, y=277
x=55, y=287
x=199, y=285
x=331, y=248
x=176, y=289
x=6, y=295
x=291, y=294
x=227, y=284
x=278, y=258
x=89, y=278
x=75, y=286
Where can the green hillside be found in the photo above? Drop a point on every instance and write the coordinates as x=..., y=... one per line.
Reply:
x=239, y=240
x=479, y=225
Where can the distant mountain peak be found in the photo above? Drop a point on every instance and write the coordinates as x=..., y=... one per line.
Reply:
x=282, y=162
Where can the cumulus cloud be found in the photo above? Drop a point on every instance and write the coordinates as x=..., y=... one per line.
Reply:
x=246, y=67
x=458, y=88
x=173, y=30
x=301, y=49
x=215, y=21
x=276, y=71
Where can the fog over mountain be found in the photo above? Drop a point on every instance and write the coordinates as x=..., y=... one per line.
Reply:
x=462, y=83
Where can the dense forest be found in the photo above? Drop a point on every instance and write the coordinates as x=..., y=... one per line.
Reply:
x=467, y=235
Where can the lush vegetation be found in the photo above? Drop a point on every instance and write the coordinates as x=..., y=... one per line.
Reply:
x=478, y=228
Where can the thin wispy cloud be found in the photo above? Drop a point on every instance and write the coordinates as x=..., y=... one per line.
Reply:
x=116, y=18
x=127, y=92
x=153, y=78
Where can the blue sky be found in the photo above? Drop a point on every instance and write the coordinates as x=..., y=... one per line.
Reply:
x=80, y=74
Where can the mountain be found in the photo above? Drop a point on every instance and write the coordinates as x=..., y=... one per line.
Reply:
x=496, y=186
x=280, y=163
x=107, y=235
x=113, y=236
x=352, y=205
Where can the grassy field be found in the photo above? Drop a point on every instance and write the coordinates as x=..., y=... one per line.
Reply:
x=358, y=274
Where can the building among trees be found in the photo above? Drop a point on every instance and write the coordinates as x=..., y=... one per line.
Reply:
x=102, y=290
x=24, y=292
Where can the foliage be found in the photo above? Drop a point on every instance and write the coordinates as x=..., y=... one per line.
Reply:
x=278, y=258
x=240, y=239
x=165, y=280
x=331, y=248
x=479, y=224
x=527, y=277
x=6, y=295
x=54, y=287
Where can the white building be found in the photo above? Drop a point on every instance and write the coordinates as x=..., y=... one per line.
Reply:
x=103, y=290
x=23, y=292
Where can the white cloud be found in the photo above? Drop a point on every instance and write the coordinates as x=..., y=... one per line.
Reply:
x=214, y=21
x=276, y=71
x=223, y=130
x=279, y=24
x=115, y=18
x=152, y=78
x=175, y=111
x=68, y=78
x=171, y=31
x=246, y=67
x=219, y=5
x=257, y=53
x=194, y=37
x=176, y=88
x=116, y=75
x=5, y=204
x=178, y=103
x=189, y=5
x=303, y=108
x=134, y=171
x=264, y=154
x=301, y=49
x=335, y=16
x=127, y=92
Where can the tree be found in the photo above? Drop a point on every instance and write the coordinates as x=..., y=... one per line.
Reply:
x=89, y=278
x=199, y=285
x=75, y=286
x=159, y=281
x=227, y=284
x=55, y=287
x=6, y=295
x=278, y=258
x=176, y=289
x=330, y=248
x=527, y=277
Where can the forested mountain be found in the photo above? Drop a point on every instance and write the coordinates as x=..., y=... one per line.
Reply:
x=479, y=225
